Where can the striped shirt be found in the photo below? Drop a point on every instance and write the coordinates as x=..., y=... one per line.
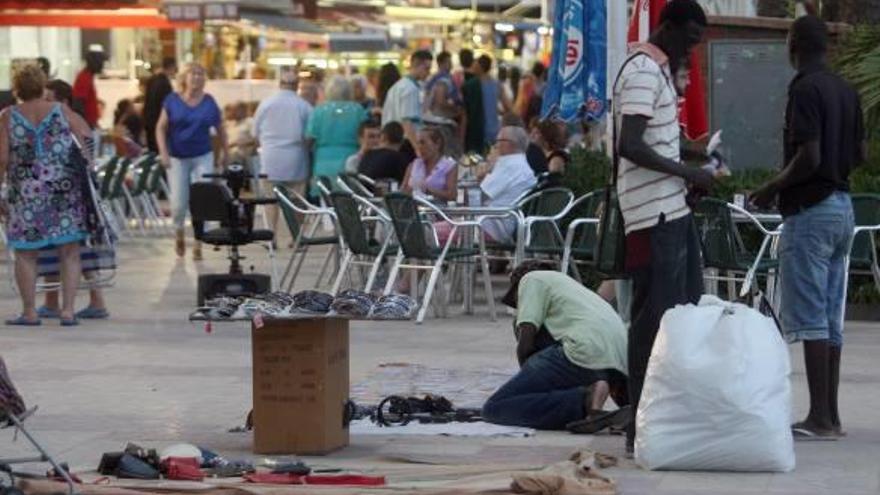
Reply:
x=645, y=88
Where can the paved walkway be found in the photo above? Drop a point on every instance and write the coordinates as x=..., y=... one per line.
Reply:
x=149, y=376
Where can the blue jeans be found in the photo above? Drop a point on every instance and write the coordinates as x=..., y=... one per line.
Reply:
x=812, y=257
x=181, y=174
x=548, y=393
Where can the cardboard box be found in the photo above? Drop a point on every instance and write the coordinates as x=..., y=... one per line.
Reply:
x=300, y=385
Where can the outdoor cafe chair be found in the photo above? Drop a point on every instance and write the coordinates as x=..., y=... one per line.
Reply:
x=360, y=248
x=297, y=212
x=725, y=251
x=139, y=196
x=582, y=233
x=538, y=214
x=357, y=184
x=13, y=414
x=107, y=174
x=542, y=213
x=412, y=227
x=863, y=255
x=119, y=194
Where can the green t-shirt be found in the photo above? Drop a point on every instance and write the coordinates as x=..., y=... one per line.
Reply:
x=592, y=334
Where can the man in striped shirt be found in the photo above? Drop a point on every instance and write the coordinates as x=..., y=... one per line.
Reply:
x=662, y=247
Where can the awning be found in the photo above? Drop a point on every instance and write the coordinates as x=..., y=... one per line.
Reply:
x=91, y=19
x=70, y=4
x=353, y=42
x=280, y=22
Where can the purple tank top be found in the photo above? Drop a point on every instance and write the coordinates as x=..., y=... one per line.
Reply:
x=437, y=178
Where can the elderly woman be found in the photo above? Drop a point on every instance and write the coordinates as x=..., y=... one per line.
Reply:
x=333, y=128
x=46, y=205
x=360, y=87
x=183, y=135
x=432, y=173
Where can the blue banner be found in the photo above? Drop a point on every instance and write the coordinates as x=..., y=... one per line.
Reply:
x=576, y=82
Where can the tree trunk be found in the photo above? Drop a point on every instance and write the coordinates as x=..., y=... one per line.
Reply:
x=773, y=8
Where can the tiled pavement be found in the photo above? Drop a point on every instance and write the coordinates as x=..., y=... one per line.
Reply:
x=147, y=375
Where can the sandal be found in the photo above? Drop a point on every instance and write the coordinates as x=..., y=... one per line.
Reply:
x=92, y=313
x=805, y=432
x=597, y=421
x=69, y=322
x=21, y=321
x=49, y=313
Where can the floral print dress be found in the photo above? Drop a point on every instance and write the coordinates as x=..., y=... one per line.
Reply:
x=46, y=200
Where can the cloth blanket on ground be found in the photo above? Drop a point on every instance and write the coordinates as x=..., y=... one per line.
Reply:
x=478, y=429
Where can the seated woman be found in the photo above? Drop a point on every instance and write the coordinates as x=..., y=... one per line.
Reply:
x=432, y=173
x=552, y=137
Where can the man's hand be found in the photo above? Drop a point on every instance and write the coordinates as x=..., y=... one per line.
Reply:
x=165, y=160
x=763, y=197
x=703, y=179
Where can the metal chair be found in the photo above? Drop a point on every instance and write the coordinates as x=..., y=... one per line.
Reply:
x=138, y=196
x=13, y=414
x=724, y=250
x=541, y=213
x=582, y=233
x=360, y=248
x=294, y=207
x=357, y=184
x=863, y=255
x=411, y=229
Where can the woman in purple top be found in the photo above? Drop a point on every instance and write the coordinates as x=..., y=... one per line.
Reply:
x=183, y=135
x=432, y=173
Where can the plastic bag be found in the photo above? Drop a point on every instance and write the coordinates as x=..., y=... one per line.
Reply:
x=716, y=394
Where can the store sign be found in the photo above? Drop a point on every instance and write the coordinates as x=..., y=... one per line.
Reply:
x=201, y=11
x=306, y=9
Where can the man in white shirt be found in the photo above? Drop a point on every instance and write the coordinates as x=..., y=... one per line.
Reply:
x=403, y=103
x=279, y=127
x=508, y=180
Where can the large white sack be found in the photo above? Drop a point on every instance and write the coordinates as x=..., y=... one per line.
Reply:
x=716, y=395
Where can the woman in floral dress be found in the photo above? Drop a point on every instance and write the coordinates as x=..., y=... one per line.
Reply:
x=45, y=200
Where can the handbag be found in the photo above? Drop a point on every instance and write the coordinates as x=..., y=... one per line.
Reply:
x=611, y=234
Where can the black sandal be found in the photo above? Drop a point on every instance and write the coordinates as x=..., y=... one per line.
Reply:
x=597, y=421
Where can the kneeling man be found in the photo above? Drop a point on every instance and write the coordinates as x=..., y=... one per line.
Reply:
x=571, y=347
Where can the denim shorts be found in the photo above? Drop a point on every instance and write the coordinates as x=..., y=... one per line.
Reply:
x=813, y=250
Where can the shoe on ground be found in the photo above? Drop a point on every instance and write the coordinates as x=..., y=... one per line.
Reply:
x=48, y=313
x=92, y=313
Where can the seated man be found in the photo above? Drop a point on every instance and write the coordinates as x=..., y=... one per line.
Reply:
x=368, y=139
x=571, y=347
x=388, y=161
x=509, y=178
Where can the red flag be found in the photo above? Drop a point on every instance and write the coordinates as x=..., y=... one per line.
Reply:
x=692, y=112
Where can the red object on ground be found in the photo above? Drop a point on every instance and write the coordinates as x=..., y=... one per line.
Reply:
x=692, y=111
x=274, y=478
x=182, y=469
x=295, y=479
x=345, y=479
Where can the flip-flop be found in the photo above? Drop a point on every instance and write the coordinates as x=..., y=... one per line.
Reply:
x=21, y=321
x=47, y=312
x=804, y=433
x=92, y=313
x=69, y=322
x=598, y=422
